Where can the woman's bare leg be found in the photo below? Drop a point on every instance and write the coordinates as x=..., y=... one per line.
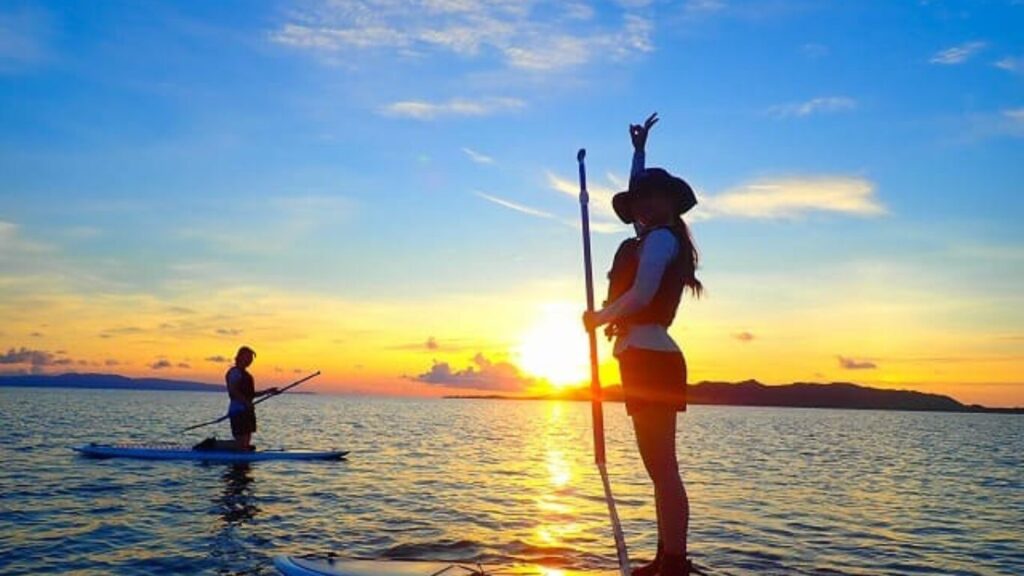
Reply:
x=656, y=437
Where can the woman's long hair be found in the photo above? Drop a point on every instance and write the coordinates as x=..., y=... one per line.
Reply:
x=691, y=258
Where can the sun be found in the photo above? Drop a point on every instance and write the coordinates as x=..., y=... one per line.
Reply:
x=555, y=347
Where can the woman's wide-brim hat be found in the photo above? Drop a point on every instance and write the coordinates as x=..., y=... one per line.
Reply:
x=652, y=181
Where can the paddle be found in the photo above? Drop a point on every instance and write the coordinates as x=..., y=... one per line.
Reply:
x=597, y=412
x=268, y=397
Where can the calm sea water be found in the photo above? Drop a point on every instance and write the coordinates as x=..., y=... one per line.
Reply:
x=772, y=491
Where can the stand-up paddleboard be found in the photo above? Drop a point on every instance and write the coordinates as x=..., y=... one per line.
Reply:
x=295, y=566
x=182, y=452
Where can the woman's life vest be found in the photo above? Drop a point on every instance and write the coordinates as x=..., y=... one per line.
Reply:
x=662, y=307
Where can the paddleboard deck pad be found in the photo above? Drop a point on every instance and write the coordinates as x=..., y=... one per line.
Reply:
x=183, y=452
x=297, y=566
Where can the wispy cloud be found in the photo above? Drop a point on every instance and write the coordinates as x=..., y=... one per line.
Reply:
x=1011, y=64
x=532, y=36
x=795, y=197
x=477, y=156
x=13, y=242
x=1015, y=115
x=775, y=198
x=957, y=54
x=703, y=6
x=514, y=206
x=821, y=105
x=603, y=219
x=847, y=363
x=424, y=110
x=161, y=364
x=744, y=336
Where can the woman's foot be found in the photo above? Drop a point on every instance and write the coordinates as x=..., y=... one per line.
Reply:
x=652, y=568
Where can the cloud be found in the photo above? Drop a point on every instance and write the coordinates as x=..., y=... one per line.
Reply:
x=161, y=364
x=1014, y=116
x=1011, y=64
x=852, y=364
x=743, y=336
x=184, y=365
x=37, y=360
x=478, y=157
x=957, y=54
x=218, y=359
x=13, y=243
x=514, y=206
x=228, y=331
x=813, y=106
x=529, y=36
x=484, y=374
x=423, y=110
x=111, y=362
x=1008, y=122
x=795, y=197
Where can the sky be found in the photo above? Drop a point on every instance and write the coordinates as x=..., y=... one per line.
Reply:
x=386, y=191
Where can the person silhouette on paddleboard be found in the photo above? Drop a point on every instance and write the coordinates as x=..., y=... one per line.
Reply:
x=242, y=391
x=648, y=277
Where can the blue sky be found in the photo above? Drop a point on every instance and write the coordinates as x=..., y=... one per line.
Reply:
x=847, y=155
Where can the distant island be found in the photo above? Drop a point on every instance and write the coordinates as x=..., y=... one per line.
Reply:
x=114, y=382
x=796, y=395
x=106, y=381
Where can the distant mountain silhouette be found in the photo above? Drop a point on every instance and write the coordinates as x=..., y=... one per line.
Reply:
x=107, y=381
x=795, y=395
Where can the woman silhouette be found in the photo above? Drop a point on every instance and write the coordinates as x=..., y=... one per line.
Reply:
x=646, y=284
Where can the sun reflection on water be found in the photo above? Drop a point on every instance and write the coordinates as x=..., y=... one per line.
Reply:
x=557, y=514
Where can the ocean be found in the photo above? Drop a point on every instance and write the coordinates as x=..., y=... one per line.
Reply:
x=772, y=490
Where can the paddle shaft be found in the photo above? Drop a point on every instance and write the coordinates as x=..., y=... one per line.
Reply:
x=226, y=416
x=288, y=387
x=596, y=408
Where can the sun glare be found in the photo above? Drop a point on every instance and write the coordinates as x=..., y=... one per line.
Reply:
x=555, y=347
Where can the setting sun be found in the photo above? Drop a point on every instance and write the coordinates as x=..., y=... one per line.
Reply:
x=555, y=346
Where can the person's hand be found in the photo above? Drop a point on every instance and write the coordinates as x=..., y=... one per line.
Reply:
x=590, y=320
x=271, y=391
x=638, y=133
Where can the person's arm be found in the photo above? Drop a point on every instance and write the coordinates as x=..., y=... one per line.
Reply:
x=638, y=135
x=268, y=391
x=659, y=248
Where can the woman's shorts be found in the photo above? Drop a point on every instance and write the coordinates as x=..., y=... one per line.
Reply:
x=653, y=379
x=243, y=423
